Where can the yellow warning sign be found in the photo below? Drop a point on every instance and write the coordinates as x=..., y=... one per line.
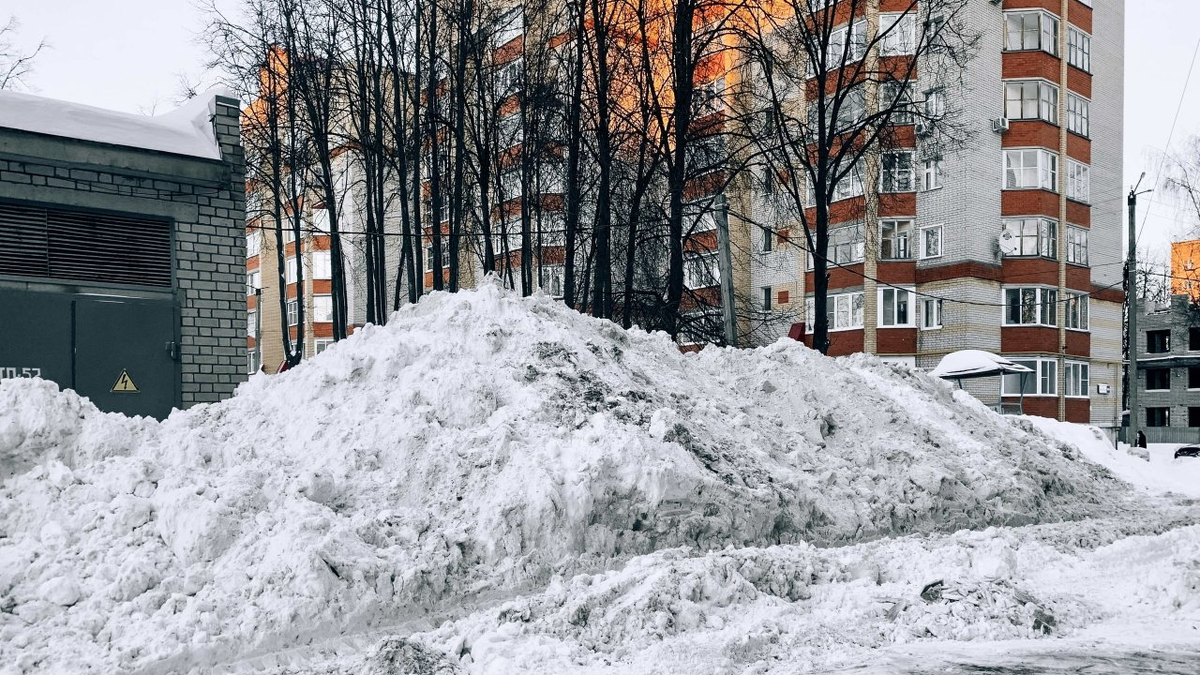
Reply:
x=124, y=384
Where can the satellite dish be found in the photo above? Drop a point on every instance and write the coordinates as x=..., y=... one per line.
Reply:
x=1008, y=243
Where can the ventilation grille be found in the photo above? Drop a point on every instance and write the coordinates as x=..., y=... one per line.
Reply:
x=68, y=245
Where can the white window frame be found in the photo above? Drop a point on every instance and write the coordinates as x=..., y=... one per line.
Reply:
x=1079, y=182
x=251, y=361
x=1031, y=100
x=844, y=311
x=899, y=245
x=1077, y=245
x=322, y=265
x=898, y=33
x=1045, y=305
x=1044, y=377
x=901, y=300
x=254, y=241
x=847, y=245
x=322, y=311
x=900, y=176
x=1022, y=164
x=289, y=270
x=923, y=241
x=1079, y=115
x=253, y=281
x=931, y=313
x=321, y=344
x=1044, y=236
x=251, y=322
x=293, y=311
x=1076, y=311
x=692, y=264
x=1045, y=30
x=1077, y=379
x=931, y=175
x=1079, y=49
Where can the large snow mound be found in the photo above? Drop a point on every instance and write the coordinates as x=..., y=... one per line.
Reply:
x=477, y=446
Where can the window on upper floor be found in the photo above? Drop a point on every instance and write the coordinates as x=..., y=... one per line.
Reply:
x=1076, y=307
x=931, y=313
x=1033, y=306
x=253, y=281
x=1194, y=416
x=251, y=323
x=766, y=298
x=254, y=239
x=1031, y=100
x=1031, y=237
x=894, y=239
x=251, y=361
x=289, y=270
x=1158, y=341
x=1079, y=181
x=1194, y=377
x=899, y=33
x=323, y=308
x=767, y=239
x=700, y=270
x=1031, y=30
x=931, y=175
x=1043, y=381
x=1194, y=339
x=931, y=241
x=895, y=95
x=846, y=245
x=843, y=311
x=1077, y=245
x=1079, y=49
x=1030, y=169
x=322, y=265
x=1158, y=379
x=293, y=312
x=896, y=172
x=1078, y=113
x=895, y=308
x=1076, y=379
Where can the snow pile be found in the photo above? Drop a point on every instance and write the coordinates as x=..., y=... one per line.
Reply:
x=186, y=130
x=478, y=446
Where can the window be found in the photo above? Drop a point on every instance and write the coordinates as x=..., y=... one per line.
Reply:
x=508, y=77
x=1031, y=100
x=898, y=33
x=1194, y=339
x=1158, y=417
x=1078, y=109
x=845, y=245
x=253, y=281
x=254, y=240
x=707, y=98
x=293, y=312
x=1079, y=49
x=768, y=239
x=897, y=172
x=935, y=104
x=322, y=344
x=444, y=248
x=1031, y=30
x=1079, y=181
x=1077, y=245
x=1158, y=341
x=1032, y=236
x=844, y=311
x=894, y=95
x=931, y=175
x=1030, y=169
x=1158, y=379
x=1043, y=381
x=706, y=154
x=931, y=241
x=766, y=298
x=323, y=308
x=700, y=270
x=251, y=361
x=1194, y=417
x=894, y=236
x=552, y=280
x=1194, y=377
x=511, y=133
x=1075, y=379
x=849, y=186
x=894, y=308
x=1030, y=306
x=931, y=313
x=251, y=323
x=1076, y=309
x=321, y=265
x=289, y=270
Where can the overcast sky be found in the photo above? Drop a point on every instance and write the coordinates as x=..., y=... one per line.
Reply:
x=128, y=55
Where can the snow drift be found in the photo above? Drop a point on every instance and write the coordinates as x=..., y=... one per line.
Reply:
x=478, y=445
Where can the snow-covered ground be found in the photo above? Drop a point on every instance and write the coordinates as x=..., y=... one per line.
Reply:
x=492, y=484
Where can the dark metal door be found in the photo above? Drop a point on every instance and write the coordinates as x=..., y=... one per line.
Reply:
x=123, y=354
x=35, y=336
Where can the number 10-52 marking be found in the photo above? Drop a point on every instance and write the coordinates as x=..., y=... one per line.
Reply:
x=13, y=371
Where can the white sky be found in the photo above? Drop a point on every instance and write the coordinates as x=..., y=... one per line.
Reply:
x=128, y=55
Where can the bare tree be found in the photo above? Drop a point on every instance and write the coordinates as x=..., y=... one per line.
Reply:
x=16, y=63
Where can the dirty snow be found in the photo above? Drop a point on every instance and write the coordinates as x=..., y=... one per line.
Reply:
x=186, y=130
x=495, y=484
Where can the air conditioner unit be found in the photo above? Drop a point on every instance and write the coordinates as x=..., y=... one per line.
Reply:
x=1000, y=125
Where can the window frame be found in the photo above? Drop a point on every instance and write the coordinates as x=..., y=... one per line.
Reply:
x=1050, y=46
x=1162, y=376
x=931, y=307
x=1044, y=298
x=1166, y=417
x=292, y=307
x=922, y=241
x=1079, y=182
x=1045, y=101
x=1045, y=236
x=902, y=179
x=900, y=297
x=1079, y=52
x=1044, y=378
x=1079, y=111
x=1077, y=378
x=1045, y=169
x=848, y=306
x=1077, y=245
x=1166, y=345
x=931, y=168
x=902, y=237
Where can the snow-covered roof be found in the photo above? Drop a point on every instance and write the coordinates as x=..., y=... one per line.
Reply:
x=186, y=130
x=970, y=363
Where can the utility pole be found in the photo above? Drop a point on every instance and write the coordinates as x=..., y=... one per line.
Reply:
x=1131, y=299
x=725, y=260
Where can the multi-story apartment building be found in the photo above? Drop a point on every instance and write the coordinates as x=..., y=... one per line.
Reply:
x=1011, y=244
x=1168, y=344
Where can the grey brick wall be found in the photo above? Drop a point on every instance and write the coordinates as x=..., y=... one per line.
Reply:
x=205, y=200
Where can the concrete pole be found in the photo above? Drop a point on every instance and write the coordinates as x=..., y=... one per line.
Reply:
x=725, y=261
x=1132, y=301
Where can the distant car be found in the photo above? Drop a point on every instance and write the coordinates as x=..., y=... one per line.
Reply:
x=1188, y=451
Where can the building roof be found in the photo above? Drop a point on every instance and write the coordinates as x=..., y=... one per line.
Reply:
x=186, y=130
